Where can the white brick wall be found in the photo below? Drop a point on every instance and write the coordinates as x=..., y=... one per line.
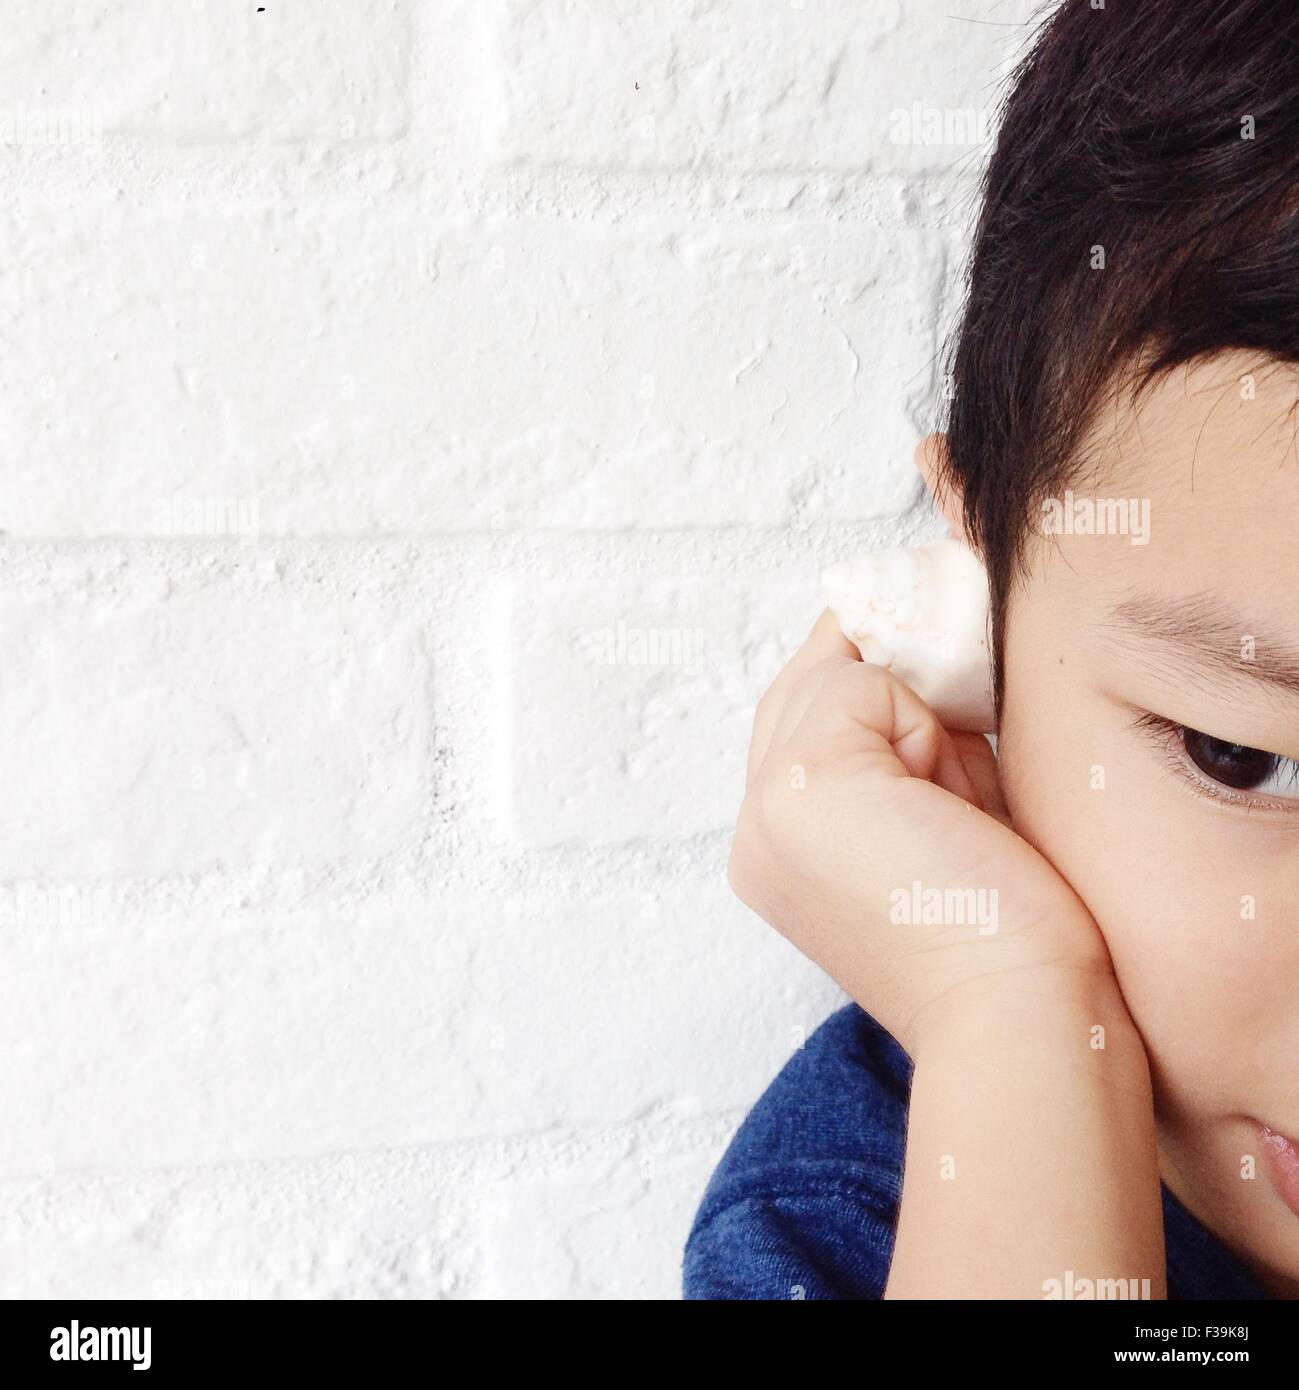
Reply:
x=423, y=425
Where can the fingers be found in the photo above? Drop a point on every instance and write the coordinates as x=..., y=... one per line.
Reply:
x=981, y=765
x=864, y=712
x=826, y=696
x=825, y=642
x=804, y=692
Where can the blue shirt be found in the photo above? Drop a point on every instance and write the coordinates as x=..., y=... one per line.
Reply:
x=805, y=1200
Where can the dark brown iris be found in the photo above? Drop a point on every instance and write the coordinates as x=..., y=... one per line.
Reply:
x=1232, y=764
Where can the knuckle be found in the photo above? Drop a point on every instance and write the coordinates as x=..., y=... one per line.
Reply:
x=743, y=866
x=758, y=825
x=737, y=870
x=766, y=704
x=855, y=682
x=773, y=811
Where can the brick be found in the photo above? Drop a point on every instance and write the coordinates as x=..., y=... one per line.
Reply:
x=340, y=1226
x=142, y=1043
x=808, y=85
x=615, y=1230
x=602, y=1012
x=153, y=1043
x=207, y=71
x=632, y=699
x=160, y=732
x=407, y=375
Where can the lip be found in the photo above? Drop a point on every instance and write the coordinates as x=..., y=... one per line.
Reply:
x=1282, y=1158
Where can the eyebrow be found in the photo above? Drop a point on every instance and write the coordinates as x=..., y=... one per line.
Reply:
x=1205, y=637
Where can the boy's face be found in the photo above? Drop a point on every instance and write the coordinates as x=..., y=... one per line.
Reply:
x=1186, y=851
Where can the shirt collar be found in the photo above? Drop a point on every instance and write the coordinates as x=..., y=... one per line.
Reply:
x=1199, y=1265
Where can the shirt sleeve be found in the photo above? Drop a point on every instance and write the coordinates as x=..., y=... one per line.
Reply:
x=804, y=1202
x=827, y=1240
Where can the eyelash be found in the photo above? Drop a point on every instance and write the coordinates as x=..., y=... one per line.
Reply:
x=1167, y=737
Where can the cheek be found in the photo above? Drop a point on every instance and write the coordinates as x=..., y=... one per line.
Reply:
x=1163, y=883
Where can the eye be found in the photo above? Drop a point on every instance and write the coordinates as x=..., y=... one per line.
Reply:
x=1226, y=769
x=1233, y=764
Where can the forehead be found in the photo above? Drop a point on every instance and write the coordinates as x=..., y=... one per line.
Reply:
x=1193, y=607
x=1213, y=446
x=1206, y=466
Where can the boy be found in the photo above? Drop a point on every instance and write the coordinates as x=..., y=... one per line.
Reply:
x=1105, y=1092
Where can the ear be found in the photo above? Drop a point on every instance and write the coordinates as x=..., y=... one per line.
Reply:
x=931, y=461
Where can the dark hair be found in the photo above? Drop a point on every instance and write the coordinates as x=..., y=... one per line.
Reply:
x=1165, y=132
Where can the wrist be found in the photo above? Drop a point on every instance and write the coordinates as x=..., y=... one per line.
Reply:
x=1042, y=1006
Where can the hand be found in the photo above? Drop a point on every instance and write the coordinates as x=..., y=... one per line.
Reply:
x=860, y=809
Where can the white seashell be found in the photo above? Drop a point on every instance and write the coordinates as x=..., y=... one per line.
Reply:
x=922, y=613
